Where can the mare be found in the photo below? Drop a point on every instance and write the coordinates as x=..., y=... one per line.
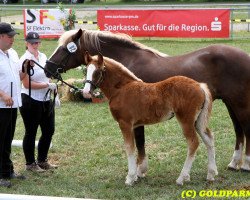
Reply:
x=133, y=103
x=225, y=69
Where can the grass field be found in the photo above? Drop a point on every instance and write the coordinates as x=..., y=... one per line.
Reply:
x=88, y=146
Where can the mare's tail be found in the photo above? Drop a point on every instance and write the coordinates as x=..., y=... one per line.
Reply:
x=203, y=117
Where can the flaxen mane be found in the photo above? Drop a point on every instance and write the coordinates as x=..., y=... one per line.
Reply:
x=93, y=38
x=110, y=62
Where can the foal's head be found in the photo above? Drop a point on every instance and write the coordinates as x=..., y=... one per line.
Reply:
x=95, y=73
x=69, y=54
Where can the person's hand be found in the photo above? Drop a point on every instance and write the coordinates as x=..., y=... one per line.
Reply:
x=7, y=99
x=27, y=64
x=52, y=86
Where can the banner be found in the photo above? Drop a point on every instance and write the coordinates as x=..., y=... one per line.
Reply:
x=48, y=23
x=202, y=23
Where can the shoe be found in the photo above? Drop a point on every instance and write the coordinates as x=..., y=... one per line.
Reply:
x=5, y=183
x=34, y=168
x=17, y=176
x=46, y=166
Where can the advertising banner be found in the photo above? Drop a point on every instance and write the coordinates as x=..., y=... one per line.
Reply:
x=202, y=23
x=48, y=23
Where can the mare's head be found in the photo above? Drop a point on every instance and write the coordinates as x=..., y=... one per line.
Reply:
x=95, y=73
x=68, y=55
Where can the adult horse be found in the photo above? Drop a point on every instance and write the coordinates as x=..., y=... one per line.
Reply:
x=225, y=69
x=133, y=103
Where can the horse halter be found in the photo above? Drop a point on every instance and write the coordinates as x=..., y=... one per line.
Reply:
x=70, y=49
x=100, y=79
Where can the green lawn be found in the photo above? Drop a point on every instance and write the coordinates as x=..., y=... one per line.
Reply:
x=88, y=146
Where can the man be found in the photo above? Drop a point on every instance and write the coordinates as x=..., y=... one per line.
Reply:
x=10, y=100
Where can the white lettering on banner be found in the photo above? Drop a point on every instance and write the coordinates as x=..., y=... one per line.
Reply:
x=146, y=27
x=121, y=16
x=161, y=27
x=157, y=27
x=173, y=27
x=193, y=28
x=216, y=25
x=154, y=27
x=121, y=27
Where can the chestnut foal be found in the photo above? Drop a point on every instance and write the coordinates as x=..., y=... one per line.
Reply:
x=134, y=103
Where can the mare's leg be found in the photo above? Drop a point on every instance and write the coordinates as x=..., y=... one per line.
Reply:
x=142, y=162
x=208, y=139
x=238, y=151
x=193, y=143
x=246, y=164
x=128, y=136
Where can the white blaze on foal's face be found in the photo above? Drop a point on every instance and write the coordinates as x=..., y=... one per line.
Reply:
x=90, y=70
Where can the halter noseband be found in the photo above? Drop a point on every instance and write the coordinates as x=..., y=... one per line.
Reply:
x=99, y=80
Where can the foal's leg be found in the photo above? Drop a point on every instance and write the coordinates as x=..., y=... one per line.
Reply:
x=208, y=139
x=128, y=136
x=193, y=143
x=237, y=156
x=142, y=162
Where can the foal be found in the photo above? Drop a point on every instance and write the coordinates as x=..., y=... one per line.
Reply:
x=134, y=103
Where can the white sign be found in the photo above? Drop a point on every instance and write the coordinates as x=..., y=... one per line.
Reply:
x=72, y=47
x=48, y=23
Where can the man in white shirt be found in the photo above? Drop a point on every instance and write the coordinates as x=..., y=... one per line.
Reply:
x=10, y=100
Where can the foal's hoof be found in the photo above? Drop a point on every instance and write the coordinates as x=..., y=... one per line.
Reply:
x=232, y=168
x=130, y=180
x=141, y=175
x=245, y=167
x=244, y=170
x=211, y=174
x=182, y=179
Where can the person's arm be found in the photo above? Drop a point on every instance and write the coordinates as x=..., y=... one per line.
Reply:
x=34, y=85
x=22, y=75
x=6, y=98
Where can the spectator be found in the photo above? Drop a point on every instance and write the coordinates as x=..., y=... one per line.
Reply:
x=36, y=110
x=10, y=100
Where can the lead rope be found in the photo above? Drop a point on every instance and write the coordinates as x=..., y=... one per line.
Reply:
x=52, y=103
x=30, y=72
x=56, y=76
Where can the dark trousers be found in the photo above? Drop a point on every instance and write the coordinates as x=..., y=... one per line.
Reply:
x=8, y=118
x=35, y=114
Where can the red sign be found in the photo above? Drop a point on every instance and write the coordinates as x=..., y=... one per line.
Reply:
x=205, y=23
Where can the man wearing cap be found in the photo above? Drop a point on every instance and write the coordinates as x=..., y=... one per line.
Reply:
x=10, y=100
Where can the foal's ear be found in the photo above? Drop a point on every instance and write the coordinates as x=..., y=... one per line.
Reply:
x=100, y=60
x=87, y=57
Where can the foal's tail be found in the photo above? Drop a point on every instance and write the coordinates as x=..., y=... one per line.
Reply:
x=203, y=117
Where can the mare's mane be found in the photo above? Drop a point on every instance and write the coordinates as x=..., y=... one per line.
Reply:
x=93, y=38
